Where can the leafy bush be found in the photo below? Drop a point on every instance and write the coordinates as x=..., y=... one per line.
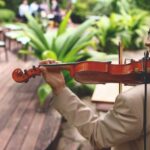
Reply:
x=13, y=5
x=64, y=3
x=6, y=15
x=111, y=6
x=135, y=29
x=126, y=27
x=2, y=3
x=65, y=45
x=144, y=4
x=81, y=10
x=108, y=29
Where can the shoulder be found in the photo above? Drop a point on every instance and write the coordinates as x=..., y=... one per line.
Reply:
x=131, y=101
x=133, y=95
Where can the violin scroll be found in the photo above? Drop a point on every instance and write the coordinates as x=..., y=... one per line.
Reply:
x=19, y=76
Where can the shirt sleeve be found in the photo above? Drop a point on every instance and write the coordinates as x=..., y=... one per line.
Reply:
x=119, y=125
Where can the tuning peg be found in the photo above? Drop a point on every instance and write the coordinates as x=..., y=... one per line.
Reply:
x=26, y=81
x=34, y=67
x=25, y=71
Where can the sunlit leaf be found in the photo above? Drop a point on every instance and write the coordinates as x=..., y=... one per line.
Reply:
x=49, y=55
x=43, y=92
x=64, y=24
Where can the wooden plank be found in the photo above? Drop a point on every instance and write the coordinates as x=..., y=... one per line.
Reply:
x=12, y=100
x=21, y=131
x=49, y=129
x=6, y=110
x=7, y=132
x=35, y=128
x=7, y=81
x=21, y=127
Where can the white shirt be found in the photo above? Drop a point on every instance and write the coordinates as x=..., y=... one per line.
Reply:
x=23, y=9
x=33, y=7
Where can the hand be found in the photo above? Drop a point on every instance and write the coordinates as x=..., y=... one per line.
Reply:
x=54, y=78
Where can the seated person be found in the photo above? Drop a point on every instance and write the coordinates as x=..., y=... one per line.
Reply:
x=23, y=8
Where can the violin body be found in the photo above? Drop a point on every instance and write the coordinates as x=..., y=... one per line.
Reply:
x=94, y=72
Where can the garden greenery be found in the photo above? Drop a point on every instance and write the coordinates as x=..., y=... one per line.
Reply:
x=6, y=15
x=120, y=20
x=2, y=3
x=130, y=29
x=65, y=45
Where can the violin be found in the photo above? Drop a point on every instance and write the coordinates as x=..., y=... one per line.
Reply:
x=93, y=72
x=135, y=72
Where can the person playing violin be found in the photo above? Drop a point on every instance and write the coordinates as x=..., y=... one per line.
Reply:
x=121, y=128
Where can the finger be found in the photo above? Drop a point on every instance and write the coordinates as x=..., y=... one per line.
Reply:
x=48, y=61
x=51, y=61
x=43, y=69
x=43, y=62
x=58, y=62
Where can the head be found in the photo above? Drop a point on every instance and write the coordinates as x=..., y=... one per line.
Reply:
x=53, y=1
x=25, y=2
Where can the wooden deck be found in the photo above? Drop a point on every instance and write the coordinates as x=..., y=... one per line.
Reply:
x=21, y=126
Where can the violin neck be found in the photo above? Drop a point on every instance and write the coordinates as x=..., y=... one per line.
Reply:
x=62, y=66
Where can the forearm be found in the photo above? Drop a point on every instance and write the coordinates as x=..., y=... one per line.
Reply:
x=75, y=111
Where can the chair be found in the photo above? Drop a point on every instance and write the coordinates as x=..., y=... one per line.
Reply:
x=3, y=44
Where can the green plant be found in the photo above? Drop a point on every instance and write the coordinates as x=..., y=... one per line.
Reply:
x=81, y=10
x=126, y=27
x=108, y=29
x=135, y=28
x=6, y=15
x=65, y=45
x=144, y=4
x=2, y=3
x=64, y=3
x=112, y=6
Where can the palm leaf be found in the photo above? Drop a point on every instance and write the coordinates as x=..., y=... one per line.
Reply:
x=71, y=53
x=84, y=38
x=36, y=42
x=64, y=24
x=49, y=36
x=36, y=28
x=60, y=42
x=74, y=36
x=43, y=92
